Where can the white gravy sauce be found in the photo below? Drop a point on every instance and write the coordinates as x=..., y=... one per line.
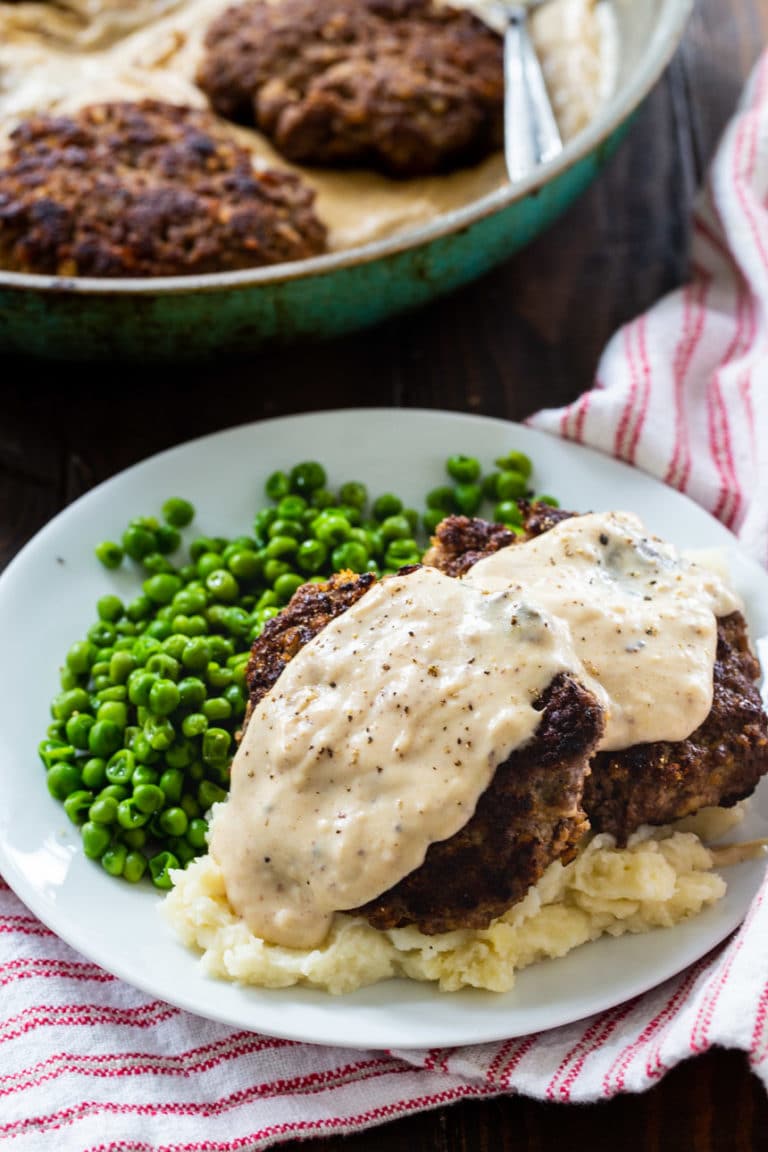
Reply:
x=642, y=619
x=377, y=740
x=382, y=733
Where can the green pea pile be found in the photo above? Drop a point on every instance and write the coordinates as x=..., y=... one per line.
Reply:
x=143, y=729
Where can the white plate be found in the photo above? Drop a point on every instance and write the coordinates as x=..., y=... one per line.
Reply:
x=47, y=599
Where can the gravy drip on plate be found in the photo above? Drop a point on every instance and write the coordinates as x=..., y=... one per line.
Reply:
x=642, y=619
x=381, y=734
x=377, y=740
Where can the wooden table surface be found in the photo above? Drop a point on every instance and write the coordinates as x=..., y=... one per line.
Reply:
x=527, y=335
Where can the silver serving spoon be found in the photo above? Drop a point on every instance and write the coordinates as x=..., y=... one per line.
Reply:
x=531, y=135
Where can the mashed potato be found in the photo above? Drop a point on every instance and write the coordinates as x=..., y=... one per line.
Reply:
x=663, y=876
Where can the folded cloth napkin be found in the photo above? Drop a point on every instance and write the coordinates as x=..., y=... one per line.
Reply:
x=90, y=1063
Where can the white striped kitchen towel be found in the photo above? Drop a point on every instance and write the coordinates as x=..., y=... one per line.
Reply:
x=89, y=1063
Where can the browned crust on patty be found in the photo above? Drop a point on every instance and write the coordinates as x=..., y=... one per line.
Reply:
x=145, y=189
x=529, y=815
x=718, y=764
x=400, y=85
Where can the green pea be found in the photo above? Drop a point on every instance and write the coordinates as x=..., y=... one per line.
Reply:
x=174, y=822
x=510, y=486
x=277, y=485
x=245, y=565
x=463, y=469
x=138, y=542
x=515, y=462
x=129, y=815
x=468, y=498
x=191, y=599
x=104, y=738
x=222, y=585
x=144, y=774
x=63, y=779
x=311, y=555
x=149, y=798
x=113, y=860
x=160, y=867
x=109, y=554
x=54, y=750
x=197, y=833
x=145, y=647
x=552, y=501
x=103, y=810
x=395, y=528
x=431, y=518
x=139, y=686
x=68, y=679
x=113, y=712
x=331, y=529
x=116, y=791
x=216, y=742
x=236, y=621
x=189, y=626
x=168, y=539
x=121, y=664
x=121, y=766
x=283, y=527
x=178, y=512
x=161, y=664
x=163, y=697
x=172, y=784
x=217, y=708
x=95, y=838
x=350, y=555
x=160, y=733
x=180, y=754
x=402, y=550
x=219, y=677
x=159, y=629
x=75, y=700
x=307, y=477
x=281, y=547
x=286, y=585
x=139, y=608
x=442, y=497
x=236, y=700
x=291, y=507
x=94, y=773
x=192, y=692
x=134, y=866
x=134, y=838
x=273, y=569
x=209, y=794
x=196, y=654
x=76, y=805
x=80, y=657
x=507, y=512
x=109, y=608
x=162, y=587
x=77, y=729
x=386, y=505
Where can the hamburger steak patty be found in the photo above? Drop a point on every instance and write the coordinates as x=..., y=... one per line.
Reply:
x=718, y=764
x=146, y=189
x=529, y=815
x=401, y=85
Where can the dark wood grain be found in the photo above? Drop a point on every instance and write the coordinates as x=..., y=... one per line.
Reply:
x=525, y=336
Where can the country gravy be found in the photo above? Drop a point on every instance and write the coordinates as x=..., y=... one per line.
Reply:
x=383, y=731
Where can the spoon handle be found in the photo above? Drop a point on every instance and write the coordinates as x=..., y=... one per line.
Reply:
x=531, y=136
